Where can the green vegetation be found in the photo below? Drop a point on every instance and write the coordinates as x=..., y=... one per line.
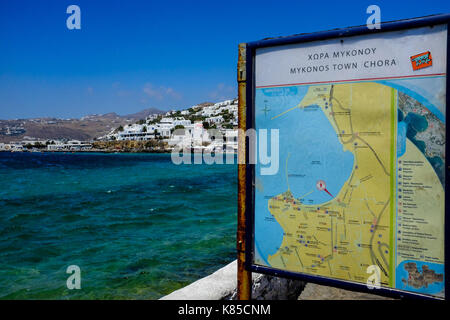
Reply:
x=37, y=145
x=195, y=118
x=131, y=146
x=156, y=120
x=227, y=116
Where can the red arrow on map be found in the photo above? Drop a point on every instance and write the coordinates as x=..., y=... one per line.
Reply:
x=321, y=185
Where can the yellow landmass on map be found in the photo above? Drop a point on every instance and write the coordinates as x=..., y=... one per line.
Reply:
x=344, y=236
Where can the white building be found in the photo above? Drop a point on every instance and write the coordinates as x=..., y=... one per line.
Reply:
x=73, y=145
x=181, y=122
x=194, y=136
x=231, y=140
x=227, y=142
x=224, y=103
x=137, y=132
x=151, y=117
x=16, y=147
x=164, y=127
x=215, y=120
x=207, y=111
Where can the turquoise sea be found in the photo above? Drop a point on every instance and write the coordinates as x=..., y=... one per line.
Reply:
x=137, y=225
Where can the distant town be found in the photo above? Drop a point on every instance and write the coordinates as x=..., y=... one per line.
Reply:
x=204, y=127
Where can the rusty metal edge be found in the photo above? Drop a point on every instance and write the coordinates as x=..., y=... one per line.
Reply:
x=244, y=277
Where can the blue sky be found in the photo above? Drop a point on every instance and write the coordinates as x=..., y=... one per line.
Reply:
x=131, y=55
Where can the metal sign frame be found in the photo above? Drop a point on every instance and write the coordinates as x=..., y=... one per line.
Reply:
x=246, y=74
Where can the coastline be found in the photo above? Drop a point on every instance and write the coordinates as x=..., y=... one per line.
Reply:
x=108, y=151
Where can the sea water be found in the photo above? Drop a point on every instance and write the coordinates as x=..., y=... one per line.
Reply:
x=137, y=225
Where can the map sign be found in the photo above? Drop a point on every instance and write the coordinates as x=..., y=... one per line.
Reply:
x=361, y=180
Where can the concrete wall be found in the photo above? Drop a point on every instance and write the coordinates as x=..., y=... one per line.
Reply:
x=222, y=285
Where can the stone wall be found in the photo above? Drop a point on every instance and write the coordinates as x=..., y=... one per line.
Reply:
x=266, y=287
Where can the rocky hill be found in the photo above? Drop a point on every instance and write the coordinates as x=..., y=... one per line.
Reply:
x=85, y=128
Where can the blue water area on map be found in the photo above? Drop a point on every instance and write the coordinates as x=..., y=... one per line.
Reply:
x=312, y=151
x=414, y=123
x=418, y=89
x=413, y=92
x=402, y=274
x=401, y=138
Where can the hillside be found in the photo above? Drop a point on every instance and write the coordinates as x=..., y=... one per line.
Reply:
x=85, y=128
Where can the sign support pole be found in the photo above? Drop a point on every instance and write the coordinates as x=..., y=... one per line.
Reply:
x=244, y=277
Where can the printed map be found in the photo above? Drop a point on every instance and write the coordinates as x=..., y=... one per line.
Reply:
x=360, y=163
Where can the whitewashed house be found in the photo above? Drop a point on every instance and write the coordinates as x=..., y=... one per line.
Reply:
x=215, y=120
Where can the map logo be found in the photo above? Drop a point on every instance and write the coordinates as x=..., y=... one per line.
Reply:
x=421, y=60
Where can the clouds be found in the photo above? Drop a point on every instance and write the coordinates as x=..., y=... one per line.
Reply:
x=161, y=93
x=145, y=93
x=222, y=92
x=124, y=93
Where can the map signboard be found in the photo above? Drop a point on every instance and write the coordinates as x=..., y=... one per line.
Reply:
x=360, y=188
